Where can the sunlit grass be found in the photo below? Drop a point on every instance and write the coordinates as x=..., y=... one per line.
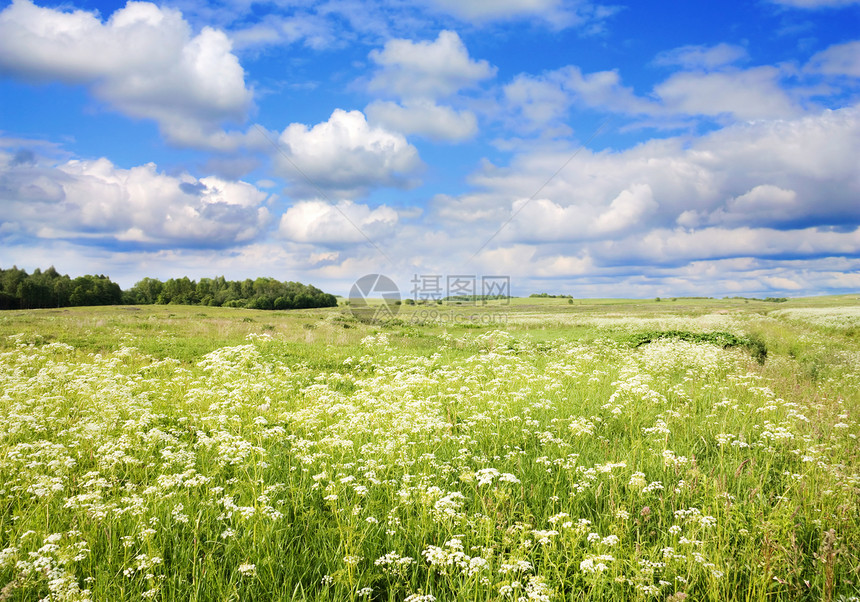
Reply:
x=307, y=456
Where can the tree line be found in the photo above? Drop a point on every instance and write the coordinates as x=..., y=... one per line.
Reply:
x=20, y=290
x=48, y=288
x=548, y=296
x=261, y=293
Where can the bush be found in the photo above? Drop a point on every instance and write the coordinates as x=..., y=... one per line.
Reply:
x=754, y=343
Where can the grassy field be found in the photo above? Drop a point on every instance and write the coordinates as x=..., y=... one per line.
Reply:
x=532, y=450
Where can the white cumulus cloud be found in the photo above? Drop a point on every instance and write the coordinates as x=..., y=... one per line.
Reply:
x=98, y=203
x=427, y=69
x=626, y=210
x=708, y=84
x=345, y=156
x=425, y=118
x=763, y=204
x=743, y=94
x=346, y=222
x=768, y=188
x=143, y=61
x=839, y=59
x=537, y=100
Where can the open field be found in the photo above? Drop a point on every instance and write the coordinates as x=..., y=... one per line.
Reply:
x=536, y=450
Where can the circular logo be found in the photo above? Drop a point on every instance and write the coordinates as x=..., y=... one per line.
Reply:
x=374, y=298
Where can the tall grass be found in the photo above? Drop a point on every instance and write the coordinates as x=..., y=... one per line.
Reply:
x=485, y=466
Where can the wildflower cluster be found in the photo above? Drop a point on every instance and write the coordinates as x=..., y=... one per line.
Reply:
x=487, y=468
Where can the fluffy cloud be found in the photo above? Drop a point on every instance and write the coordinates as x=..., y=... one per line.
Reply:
x=97, y=203
x=311, y=30
x=604, y=88
x=739, y=94
x=763, y=204
x=543, y=220
x=707, y=85
x=839, y=59
x=425, y=118
x=143, y=61
x=537, y=100
x=742, y=94
x=427, y=69
x=780, y=188
x=419, y=73
x=335, y=225
x=626, y=210
x=680, y=246
x=345, y=157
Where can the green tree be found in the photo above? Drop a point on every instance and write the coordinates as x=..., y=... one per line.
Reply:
x=95, y=290
x=146, y=291
x=179, y=291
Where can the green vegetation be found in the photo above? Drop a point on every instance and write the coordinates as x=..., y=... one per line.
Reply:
x=19, y=290
x=262, y=293
x=532, y=450
x=766, y=300
x=548, y=296
x=753, y=343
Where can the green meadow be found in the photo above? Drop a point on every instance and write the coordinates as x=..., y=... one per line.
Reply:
x=538, y=449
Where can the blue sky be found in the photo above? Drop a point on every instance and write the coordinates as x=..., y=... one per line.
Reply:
x=595, y=149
